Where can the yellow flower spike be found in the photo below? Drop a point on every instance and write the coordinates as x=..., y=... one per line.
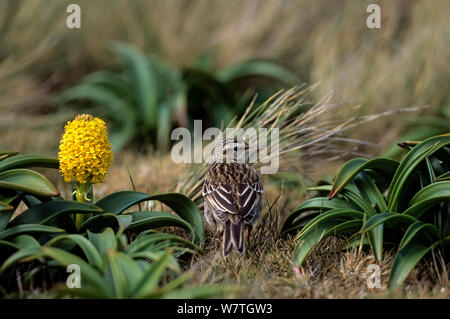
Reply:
x=85, y=151
x=84, y=156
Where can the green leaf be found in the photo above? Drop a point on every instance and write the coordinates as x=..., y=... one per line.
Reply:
x=406, y=169
x=116, y=275
x=19, y=255
x=370, y=191
x=29, y=228
x=103, y=241
x=118, y=108
x=89, y=274
x=316, y=204
x=25, y=241
x=149, y=220
x=427, y=197
x=98, y=223
x=24, y=161
x=186, y=209
x=44, y=212
x=318, y=233
x=28, y=181
x=405, y=261
x=155, y=254
x=382, y=218
x=89, y=250
x=118, y=202
x=258, y=68
x=151, y=277
x=338, y=214
x=143, y=242
x=6, y=212
x=428, y=231
x=350, y=169
x=143, y=80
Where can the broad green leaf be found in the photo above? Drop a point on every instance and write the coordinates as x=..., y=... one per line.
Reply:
x=118, y=108
x=103, y=241
x=405, y=260
x=113, y=81
x=150, y=220
x=6, y=212
x=118, y=202
x=186, y=209
x=427, y=197
x=320, y=232
x=151, y=277
x=382, y=218
x=320, y=188
x=91, y=253
x=43, y=213
x=143, y=80
x=337, y=214
x=28, y=181
x=89, y=274
x=253, y=68
x=354, y=197
x=143, y=242
x=156, y=254
x=316, y=204
x=115, y=275
x=98, y=223
x=428, y=232
x=29, y=228
x=370, y=191
x=350, y=169
x=407, y=167
x=24, y=161
x=25, y=241
x=19, y=255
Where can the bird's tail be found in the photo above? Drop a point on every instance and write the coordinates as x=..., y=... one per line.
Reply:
x=233, y=236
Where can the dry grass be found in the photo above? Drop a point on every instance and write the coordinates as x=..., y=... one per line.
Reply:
x=267, y=272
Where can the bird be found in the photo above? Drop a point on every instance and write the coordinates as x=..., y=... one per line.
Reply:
x=232, y=192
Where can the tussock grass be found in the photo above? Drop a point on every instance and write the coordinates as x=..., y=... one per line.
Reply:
x=310, y=133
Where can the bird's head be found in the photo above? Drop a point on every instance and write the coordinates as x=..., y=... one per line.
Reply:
x=231, y=150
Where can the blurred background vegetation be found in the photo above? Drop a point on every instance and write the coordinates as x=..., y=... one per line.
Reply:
x=206, y=59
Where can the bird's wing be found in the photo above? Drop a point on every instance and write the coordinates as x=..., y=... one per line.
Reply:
x=237, y=197
x=243, y=202
x=220, y=197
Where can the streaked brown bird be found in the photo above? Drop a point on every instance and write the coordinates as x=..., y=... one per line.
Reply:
x=232, y=192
